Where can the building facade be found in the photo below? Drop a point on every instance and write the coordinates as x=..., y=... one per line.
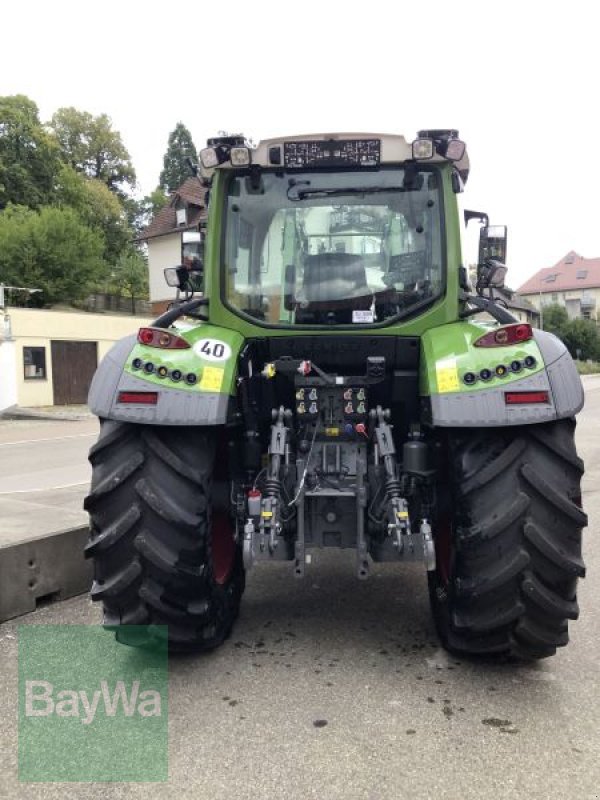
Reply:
x=173, y=238
x=48, y=357
x=573, y=283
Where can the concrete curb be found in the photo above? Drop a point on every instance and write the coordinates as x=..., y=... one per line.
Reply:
x=15, y=412
x=41, y=570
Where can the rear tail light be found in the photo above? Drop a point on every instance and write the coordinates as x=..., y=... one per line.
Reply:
x=154, y=337
x=139, y=398
x=525, y=398
x=508, y=334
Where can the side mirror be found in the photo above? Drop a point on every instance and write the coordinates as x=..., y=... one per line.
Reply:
x=177, y=277
x=289, y=288
x=492, y=243
x=491, y=274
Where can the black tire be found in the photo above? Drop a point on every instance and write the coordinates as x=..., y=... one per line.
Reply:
x=508, y=540
x=161, y=555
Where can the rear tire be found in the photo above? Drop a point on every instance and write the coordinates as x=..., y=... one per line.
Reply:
x=508, y=540
x=162, y=555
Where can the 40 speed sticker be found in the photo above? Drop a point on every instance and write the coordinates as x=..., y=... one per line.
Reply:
x=212, y=350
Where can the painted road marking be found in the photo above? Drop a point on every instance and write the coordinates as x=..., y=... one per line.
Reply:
x=50, y=439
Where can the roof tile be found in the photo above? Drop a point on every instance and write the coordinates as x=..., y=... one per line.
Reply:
x=193, y=195
x=563, y=276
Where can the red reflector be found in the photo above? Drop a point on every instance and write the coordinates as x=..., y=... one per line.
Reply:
x=146, y=336
x=523, y=398
x=139, y=398
x=508, y=334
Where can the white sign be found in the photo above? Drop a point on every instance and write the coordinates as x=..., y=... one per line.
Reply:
x=213, y=350
x=362, y=316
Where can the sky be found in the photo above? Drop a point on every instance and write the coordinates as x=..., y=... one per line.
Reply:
x=519, y=81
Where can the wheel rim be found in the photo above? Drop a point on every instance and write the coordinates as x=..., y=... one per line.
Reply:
x=223, y=547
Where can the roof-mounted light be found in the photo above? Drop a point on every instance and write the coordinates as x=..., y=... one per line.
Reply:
x=422, y=149
x=446, y=142
x=211, y=157
x=452, y=149
x=240, y=156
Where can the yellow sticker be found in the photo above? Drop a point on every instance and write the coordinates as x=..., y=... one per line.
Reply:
x=266, y=514
x=402, y=514
x=212, y=378
x=447, y=376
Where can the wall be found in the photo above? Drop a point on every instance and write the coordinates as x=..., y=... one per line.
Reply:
x=574, y=297
x=8, y=379
x=164, y=251
x=37, y=327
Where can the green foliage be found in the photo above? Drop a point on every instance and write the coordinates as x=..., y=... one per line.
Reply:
x=130, y=276
x=50, y=249
x=555, y=319
x=90, y=145
x=579, y=335
x=175, y=169
x=147, y=208
x=587, y=368
x=156, y=201
x=29, y=157
x=581, y=339
x=98, y=208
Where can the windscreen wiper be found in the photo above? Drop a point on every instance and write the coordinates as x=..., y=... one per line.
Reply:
x=296, y=192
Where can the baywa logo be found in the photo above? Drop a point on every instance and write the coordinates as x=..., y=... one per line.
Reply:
x=41, y=702
x=91, y=709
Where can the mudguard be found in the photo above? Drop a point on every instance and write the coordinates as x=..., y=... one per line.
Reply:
x=448, y=354
x=130, y=367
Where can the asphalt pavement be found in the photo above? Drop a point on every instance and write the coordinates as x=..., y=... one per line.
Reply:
x=44, y=475
x=333, y=688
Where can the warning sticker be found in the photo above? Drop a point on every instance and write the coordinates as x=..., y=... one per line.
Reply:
x=447, y=376
x=212, y=378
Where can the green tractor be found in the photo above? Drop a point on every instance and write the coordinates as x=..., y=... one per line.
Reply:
x=321, y=381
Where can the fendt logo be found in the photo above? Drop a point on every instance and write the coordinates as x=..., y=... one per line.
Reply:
x=42, y=701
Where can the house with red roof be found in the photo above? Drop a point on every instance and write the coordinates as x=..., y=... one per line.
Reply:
x=573, y=282
x=173, y=238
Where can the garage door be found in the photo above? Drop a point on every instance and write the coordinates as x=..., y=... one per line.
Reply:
x=73, y=366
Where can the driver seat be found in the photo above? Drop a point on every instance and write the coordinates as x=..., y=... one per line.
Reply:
x=334, y=285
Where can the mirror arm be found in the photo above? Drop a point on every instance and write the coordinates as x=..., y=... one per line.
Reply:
x=480, y=304
x=180, y=310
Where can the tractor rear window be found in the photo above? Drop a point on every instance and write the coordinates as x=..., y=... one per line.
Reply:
x=329, y=248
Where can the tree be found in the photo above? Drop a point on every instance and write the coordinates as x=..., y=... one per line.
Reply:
x=29, y=157
x=131, y=276
x=90, y=145
x=52, y=250
x=580, y=336
x=156, y=201
x=98, y=208
x=179, y=148
x=555, y=319
x=581, y=339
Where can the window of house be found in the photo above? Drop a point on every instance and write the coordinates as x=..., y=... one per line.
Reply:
x=34, y=363
x=582, y=273
x=550, y=278
x=554, y=297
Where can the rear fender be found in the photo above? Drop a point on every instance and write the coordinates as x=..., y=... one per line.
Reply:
x=448, y=354
x=212, y=358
